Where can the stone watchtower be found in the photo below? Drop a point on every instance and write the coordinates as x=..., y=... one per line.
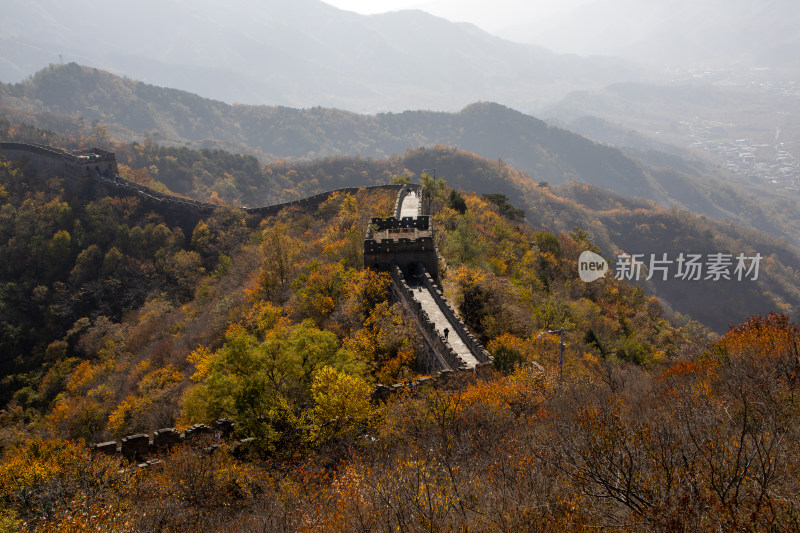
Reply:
x=405, y=242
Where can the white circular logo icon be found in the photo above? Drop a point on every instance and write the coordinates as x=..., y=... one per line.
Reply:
x=591, y=266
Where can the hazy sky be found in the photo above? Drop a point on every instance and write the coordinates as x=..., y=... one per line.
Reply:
x=491, y=16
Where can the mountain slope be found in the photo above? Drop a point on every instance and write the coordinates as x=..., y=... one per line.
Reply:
x=291, y=361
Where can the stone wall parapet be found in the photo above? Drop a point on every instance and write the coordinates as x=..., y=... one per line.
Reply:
x=314, y=201
x=141, y=446
x=475, y=347
x=426, y=325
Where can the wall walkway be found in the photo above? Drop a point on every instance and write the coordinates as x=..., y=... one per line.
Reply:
x=404, y=246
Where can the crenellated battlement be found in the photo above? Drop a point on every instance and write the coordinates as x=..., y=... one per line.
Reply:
x=143, y=446
x=393, y=224
x=402, y=242
x=438, y=354
x=397, y=244
x=460, y=329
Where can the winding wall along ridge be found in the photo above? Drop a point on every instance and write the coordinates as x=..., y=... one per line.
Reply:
x=101, y=165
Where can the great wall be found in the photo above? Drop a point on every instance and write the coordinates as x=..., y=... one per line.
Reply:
x=402, y=245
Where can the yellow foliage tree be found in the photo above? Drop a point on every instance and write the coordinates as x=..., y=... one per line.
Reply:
x=342, y=402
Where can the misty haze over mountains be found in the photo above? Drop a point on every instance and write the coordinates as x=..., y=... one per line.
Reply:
x=298, y=53
x=680, y=34
x=304, y=53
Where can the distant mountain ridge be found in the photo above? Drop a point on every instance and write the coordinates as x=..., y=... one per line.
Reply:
x=297, y=53
x=134, y=110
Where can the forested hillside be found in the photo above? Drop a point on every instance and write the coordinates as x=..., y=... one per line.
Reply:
x=616, y=224
x=82, y=101
x=277, y=326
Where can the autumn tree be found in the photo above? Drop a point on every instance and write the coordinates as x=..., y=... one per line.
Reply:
x=280, y=253
x=258, y=382
x=342, y=402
